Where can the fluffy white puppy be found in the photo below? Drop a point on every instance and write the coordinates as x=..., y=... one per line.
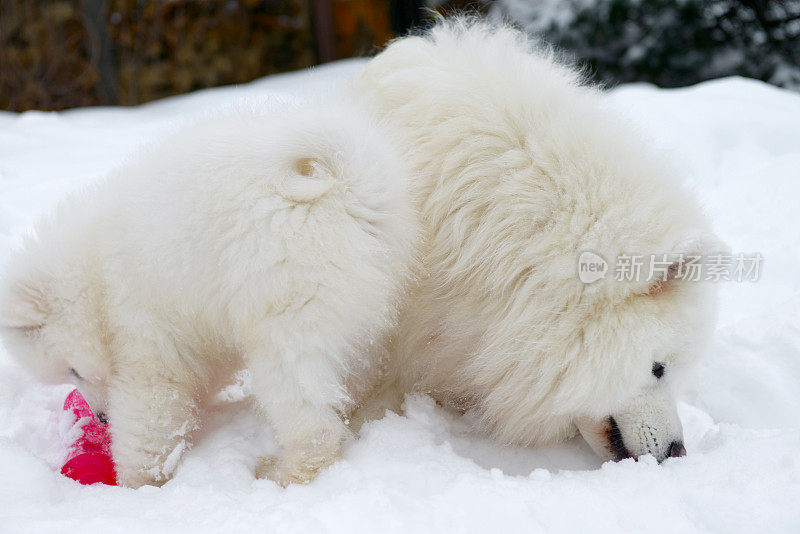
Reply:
x=521, y=169
x=276, y=237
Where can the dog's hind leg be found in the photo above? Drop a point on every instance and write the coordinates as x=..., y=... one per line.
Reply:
x=298, y=384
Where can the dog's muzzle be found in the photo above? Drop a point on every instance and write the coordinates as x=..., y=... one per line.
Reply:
x=676, y=450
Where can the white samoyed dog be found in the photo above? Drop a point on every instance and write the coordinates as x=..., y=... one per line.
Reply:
x=518, y=170
x=276, y=237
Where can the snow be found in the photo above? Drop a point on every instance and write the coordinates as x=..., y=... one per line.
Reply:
x=428, y=471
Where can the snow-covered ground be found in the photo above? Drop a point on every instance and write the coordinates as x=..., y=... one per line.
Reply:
x=739, y=141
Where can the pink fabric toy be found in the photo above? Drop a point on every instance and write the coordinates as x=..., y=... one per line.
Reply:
x=89, y=458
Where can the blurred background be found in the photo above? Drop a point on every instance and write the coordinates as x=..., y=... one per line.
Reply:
x=58, y=54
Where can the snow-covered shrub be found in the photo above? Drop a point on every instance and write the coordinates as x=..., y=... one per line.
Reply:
x=670, y=42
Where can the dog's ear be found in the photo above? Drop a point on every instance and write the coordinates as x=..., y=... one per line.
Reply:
x=23, y=303
x=703, y=244
x=687, y=260
x=675, y=271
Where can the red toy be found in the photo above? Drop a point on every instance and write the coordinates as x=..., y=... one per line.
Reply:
x=89, y=459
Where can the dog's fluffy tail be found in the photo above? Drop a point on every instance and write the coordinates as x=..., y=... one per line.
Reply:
x=339, y=153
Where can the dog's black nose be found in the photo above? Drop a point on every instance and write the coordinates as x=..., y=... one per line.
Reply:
x=676, y=449
x=103, y=417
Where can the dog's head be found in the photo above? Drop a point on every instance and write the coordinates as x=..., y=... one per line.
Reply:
x=49, y=328
x=655, y=327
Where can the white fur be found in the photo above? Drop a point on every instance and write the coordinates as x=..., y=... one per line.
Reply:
x=520, y=170
x=277, y=236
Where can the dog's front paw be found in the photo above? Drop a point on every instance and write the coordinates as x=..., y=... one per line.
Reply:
x=293, y=469
x=138, y=467
x=136, y=477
